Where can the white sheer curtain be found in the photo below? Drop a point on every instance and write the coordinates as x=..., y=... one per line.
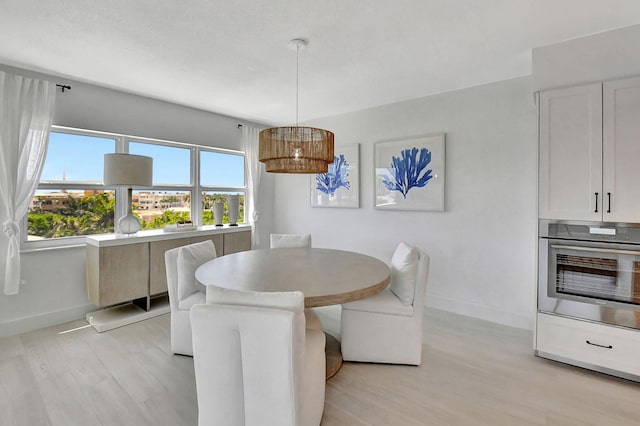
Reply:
x=26, y=110
x=254, y=171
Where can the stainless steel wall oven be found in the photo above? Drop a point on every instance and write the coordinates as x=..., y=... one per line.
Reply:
x=590, y=271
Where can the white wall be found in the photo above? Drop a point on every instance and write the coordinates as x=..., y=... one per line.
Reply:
x=55, y=279
x=605, y=56
x=482, y=248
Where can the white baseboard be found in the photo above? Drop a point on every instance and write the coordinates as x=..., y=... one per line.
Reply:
x=119, y=316
x=47, y=319
x=487, y=313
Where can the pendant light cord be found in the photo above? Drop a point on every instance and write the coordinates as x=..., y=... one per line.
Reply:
x=297, y=78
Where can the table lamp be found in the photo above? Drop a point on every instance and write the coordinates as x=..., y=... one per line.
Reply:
x=127, y=170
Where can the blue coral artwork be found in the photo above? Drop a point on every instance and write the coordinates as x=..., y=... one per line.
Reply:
x=409, y=174
x=339, y=186
x=409, y=171
x=336, y=177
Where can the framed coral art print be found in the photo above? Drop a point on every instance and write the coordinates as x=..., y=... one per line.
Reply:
x=409, y=173
x=340, y=186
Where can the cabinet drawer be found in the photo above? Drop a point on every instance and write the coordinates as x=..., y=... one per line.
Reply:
x=585, y=342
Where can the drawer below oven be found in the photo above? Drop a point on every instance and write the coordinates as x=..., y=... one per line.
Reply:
x=589, y=344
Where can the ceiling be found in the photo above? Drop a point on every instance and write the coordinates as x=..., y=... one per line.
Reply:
x=233, y=57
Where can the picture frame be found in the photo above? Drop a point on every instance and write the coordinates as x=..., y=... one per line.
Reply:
x=410, y=173
x=340, y=186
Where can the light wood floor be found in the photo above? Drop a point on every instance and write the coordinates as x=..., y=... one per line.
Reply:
x=473, y=373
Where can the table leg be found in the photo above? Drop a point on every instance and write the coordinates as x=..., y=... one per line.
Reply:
x=333, y=355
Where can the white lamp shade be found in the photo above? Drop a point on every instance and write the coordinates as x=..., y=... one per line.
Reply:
x=128, y=170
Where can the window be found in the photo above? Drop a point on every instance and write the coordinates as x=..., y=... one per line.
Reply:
x=71, y=200
x=221, y=174
x=171, y=165
x=169, y=201
x=221, y=169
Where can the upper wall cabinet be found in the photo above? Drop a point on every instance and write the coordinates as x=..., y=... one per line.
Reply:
x=621, y=150
x=571, y=153
x=589, y=145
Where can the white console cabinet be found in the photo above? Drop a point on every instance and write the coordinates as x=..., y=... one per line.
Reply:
x=122, y=268
x=589, y=152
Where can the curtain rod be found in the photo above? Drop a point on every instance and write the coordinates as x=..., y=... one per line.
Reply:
x=64, y=87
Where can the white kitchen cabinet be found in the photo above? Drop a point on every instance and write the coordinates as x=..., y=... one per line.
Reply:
x=601, y=347
x=621, y=150
x=588, y=152
x=571, y=153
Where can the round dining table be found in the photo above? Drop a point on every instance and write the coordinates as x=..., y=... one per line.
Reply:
x=324, y=276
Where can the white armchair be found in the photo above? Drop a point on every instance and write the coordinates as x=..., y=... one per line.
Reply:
x=255, y=364
x=184, y=291
x=387, y=327
x=290, y=241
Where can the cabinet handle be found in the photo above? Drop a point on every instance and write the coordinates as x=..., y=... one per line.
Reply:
x=596, y=210
x=609, y=198
x=600, y=346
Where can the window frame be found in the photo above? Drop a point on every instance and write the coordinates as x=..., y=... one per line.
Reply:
x=210, y=188
x=164, y=187
x=122, y=142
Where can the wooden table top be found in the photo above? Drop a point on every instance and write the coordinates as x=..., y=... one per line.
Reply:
x=325, y=276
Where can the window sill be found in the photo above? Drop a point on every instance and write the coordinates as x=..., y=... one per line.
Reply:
x=102, y=240
x=105, y=240
x=53, y=244
x=31, y=247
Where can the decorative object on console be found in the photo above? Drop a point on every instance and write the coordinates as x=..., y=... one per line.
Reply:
x=127, y=170
x=180, y=226
x=232, y=207
x=218, y=212
x=295, y=149
x=340, y=186
x=409, y=173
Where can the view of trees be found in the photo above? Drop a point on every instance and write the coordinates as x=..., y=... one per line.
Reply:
x=207, y=201
x=94, y=214
x=167, y=217
x=91, y=214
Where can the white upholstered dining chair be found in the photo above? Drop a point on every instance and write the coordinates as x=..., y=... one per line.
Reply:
x=184, y=291
x=290, y=241
x=387, y=327
x=255, y=363
x=297, y=241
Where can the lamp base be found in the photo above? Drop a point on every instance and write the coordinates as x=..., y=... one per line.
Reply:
x=128, y=224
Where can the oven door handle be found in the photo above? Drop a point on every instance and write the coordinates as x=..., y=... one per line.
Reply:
x=594, y=250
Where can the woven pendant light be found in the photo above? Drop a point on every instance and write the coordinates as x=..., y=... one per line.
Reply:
x=295, y=149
